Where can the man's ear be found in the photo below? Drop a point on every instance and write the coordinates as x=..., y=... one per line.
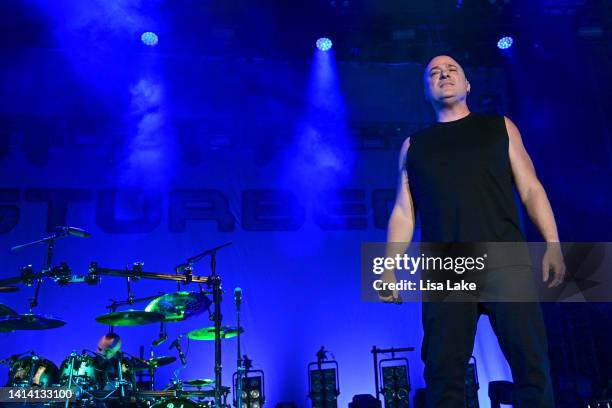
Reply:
x=469, y=87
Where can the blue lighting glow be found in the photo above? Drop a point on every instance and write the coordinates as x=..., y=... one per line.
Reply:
x=149, y=38
x=504, y=43
x=324, y=44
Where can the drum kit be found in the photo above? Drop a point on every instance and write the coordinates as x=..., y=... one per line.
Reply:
x=100, y=381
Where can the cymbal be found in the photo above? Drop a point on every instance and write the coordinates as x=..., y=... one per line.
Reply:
x=8, y=289
x=208, y=333
x=153, y=363
x=138, y=364
x=130, y=318
x=191, y=394
x=199, y=382
x=29, y=321
x=179, y=306
x=161, y=361
x=202, y=393
x=6, y=311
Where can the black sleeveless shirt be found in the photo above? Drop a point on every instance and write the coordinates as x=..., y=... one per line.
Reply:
x=461, y=181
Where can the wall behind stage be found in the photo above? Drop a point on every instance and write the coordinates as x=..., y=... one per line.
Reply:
x=163, y=157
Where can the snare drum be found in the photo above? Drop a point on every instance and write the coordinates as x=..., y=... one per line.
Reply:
x=80, y=370
x=32, y=371
x=111, y=379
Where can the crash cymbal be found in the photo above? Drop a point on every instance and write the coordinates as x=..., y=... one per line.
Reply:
x=130, y=318
x=208, y=333
x=199, y=382
x=29, y=321
x=6, y=311
x=8, y=289
x=179, y=306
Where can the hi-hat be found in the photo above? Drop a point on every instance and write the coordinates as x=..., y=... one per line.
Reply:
x=199, y=382
x=208, y=333
x=152, y=363
x=179, y=306
x=130, y=318
x=29, y=321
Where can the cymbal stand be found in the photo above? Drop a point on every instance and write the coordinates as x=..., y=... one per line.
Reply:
x=120, y=375
x=116, y=304
x=50, y=241
x=240, y=369
x=72, y=357
x=213, y=281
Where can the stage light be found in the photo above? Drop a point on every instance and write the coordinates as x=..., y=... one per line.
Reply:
x=393, y=373
x=504, y=43
x=252, y=386
x=149, y=38
x=324, y=44
x=396, y=386
x=323, y=387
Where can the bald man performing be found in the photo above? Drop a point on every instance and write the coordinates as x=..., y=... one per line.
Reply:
x=459, y=173
x=107, y=361
x=109, y=345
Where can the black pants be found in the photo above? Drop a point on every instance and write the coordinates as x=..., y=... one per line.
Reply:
x=450, y=328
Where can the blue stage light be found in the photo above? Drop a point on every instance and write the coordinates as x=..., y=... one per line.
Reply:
x=324, y=44
x=504, y=43
x=149, y=38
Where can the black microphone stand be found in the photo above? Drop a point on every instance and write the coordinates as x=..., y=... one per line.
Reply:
x=240, y=368
x=50, y=241
x=214, y=281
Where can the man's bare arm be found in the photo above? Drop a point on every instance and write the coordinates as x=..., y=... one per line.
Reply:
x=401, y=221
x=534, y=198
x=529, y=187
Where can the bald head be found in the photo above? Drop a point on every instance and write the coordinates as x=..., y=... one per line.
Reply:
x=445, y=81
x=109, y=345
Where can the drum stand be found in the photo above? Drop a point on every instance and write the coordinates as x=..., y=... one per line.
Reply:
x=120, y=375
x=240, y=370
x=72, y=357
x=48, y=269
x=184, y=274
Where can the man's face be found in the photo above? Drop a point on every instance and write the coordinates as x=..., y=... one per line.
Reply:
x=445, y=81
x=108, y=347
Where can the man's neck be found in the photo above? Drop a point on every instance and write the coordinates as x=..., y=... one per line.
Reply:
x=450, y=113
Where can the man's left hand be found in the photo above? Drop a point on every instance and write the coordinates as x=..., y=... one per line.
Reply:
x=553, y=260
